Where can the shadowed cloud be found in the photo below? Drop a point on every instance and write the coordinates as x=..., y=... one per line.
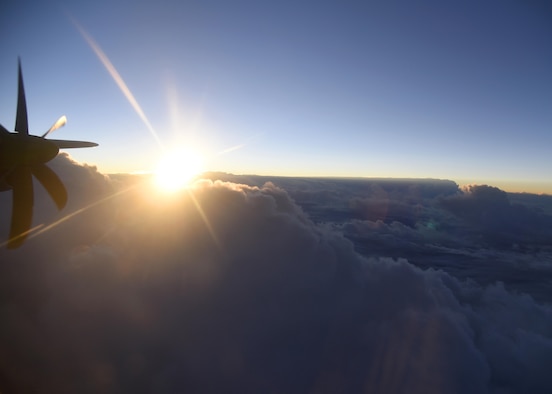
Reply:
x=135, y=295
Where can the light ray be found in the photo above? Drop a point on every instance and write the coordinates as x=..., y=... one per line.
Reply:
x=40, y=229
x=239, y=146
x=118, y=79
x=205, y=220
x=81, y=210
x=22, y=235
x=232, y=148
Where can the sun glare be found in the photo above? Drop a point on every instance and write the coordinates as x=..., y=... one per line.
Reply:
x=177, y=169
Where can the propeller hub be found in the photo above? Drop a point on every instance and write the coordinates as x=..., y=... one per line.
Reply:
x=20, y=149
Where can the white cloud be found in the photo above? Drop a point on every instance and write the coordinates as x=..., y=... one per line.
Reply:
x=232, y=288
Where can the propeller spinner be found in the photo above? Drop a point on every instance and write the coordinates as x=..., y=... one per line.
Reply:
x=23, y=156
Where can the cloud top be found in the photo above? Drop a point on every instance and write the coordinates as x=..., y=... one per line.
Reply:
x=233, y=288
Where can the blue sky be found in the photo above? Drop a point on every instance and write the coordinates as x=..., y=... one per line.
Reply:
x=442, y=89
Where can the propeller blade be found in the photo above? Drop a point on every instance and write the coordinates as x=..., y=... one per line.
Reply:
x=21, y=123
x=62, y=121
x=66, y=144
x=51, y=183
x=22, y=205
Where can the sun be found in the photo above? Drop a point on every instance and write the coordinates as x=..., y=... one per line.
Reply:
x=177, y=169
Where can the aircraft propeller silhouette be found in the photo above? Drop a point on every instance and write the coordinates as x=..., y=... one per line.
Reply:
x=23, y=156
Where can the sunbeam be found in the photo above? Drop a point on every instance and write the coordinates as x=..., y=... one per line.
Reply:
x=118, y=79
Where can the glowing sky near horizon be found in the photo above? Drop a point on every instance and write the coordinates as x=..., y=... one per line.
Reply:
x=442, y=89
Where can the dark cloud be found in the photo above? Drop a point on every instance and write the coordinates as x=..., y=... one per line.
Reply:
x=489, y=212
x=477, y=232
x=231, y=287
x=342, y=199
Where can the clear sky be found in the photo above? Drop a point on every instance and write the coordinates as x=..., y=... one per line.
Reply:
x=445, y=89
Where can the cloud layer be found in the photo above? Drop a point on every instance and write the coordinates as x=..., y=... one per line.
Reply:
x=230, y=287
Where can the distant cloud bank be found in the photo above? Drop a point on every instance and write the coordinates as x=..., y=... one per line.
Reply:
x=250, y=284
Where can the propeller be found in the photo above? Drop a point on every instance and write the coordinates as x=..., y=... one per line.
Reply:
x=62, y=121
x=26, y=157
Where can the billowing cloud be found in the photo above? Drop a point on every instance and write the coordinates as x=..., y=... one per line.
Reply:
x=230, y=287
x=489, y=211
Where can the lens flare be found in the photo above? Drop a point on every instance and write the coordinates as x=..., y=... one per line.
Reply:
x=118, y=79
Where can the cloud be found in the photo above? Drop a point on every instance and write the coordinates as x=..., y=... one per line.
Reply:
x=411, y=219
x=489, y=212
x=233, y=288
